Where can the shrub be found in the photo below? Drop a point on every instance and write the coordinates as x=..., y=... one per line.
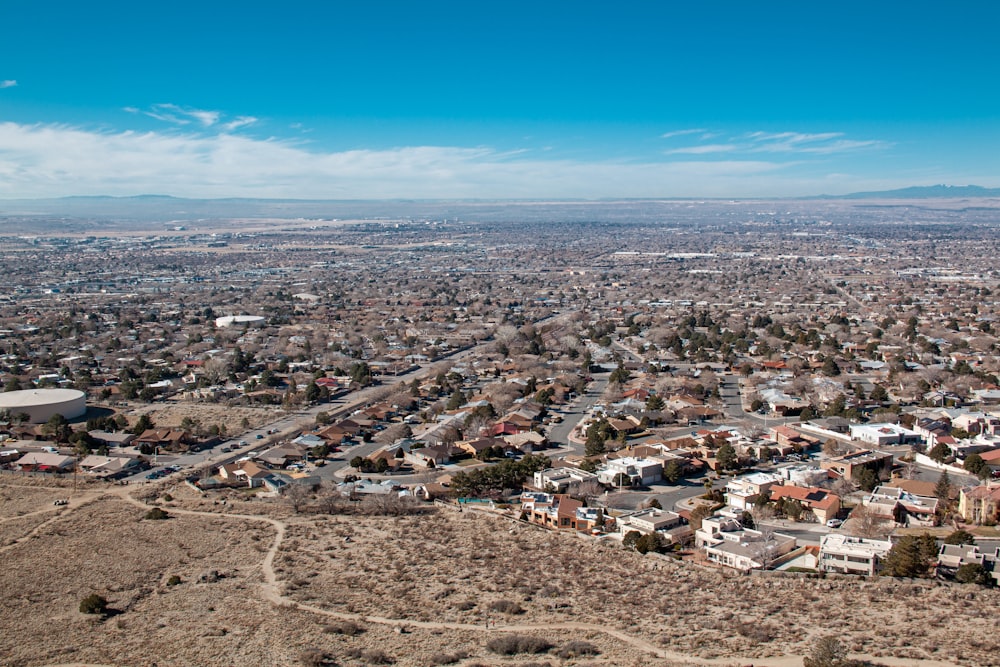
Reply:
x=174, y=580
x=156, y=514
x=167, y=497
x=506, y=607
x=514, y=644
x=314, y=657
x=377, y=657
x=973, y=573
x=94, y=604
x=349, y=628
x=438, y=659
x=577, y=648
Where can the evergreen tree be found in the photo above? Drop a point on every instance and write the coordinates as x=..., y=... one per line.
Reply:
x=942, y=490
x=726, y=457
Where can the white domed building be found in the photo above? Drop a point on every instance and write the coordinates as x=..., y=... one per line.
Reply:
x=41, y=404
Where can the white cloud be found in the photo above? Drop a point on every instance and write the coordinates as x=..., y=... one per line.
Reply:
x=681, y=133
x=704, y=149
x=8, y=83
x=178, y=115
x=818, y=143
x=238, y=122
x=43, y=160
x=55, y=160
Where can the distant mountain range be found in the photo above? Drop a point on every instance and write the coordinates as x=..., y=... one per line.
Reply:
x=924, y=192
x=142, y=211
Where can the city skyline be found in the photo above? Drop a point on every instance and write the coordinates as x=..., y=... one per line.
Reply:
x=498, y=101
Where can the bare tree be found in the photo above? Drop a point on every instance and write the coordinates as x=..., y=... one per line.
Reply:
x=393, y=433
x=866, y=523
x=215, y=369
x=297, y=496
x=587, y=489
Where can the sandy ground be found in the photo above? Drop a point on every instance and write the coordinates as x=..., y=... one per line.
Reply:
x=171, y=414
x=278, y=588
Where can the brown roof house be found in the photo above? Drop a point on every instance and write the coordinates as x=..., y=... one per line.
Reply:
x=163, y=438
x=431, y=457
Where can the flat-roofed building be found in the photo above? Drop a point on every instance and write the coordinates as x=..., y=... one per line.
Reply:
x=847, y=554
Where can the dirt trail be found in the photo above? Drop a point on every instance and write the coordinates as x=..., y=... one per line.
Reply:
x=271, y=591
x=58, y=512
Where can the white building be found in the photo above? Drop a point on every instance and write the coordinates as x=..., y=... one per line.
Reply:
x=741, y=492
x=42, y=404
x=650, y=520
x=727, y=543
x=882, y=435
x=852, y=555
x=804, y=475
x=560, y=478
x=639, y=471
x=239, y=321
x=669, y=525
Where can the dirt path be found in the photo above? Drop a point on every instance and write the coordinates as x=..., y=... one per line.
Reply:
x=58, y=512
x=271, y=592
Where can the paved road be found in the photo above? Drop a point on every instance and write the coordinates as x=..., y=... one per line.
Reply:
x=668, y=495
x=289, y=424
x=572, y=414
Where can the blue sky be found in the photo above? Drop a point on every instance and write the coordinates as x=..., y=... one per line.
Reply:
x=488, y=99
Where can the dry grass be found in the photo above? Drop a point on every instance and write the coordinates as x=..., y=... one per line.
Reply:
x=172, y=413
x=440, y=568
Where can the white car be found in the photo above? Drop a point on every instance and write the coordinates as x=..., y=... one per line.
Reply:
x=834, y=523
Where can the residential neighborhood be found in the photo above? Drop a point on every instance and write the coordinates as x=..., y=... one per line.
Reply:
x=734, y=411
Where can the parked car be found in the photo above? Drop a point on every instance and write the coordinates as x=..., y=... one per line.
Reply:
x=834, y=523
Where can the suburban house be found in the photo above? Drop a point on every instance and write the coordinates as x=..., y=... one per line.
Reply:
x=670, y=525
x=851, y=555
x=45, y=462
x=431, y=457
x=244, y=471
x=335, y=434
x=980, y=504
x=728, y=543
x=165, y=439
x=823, y=504
x=527, y=442
x=741, y=492
x=560, y=479
x=953, y=556
x=933, y=429
x=803, y=475
x=550, y=510
x=848, y=465
x=479, y=445
x=638, y=471
x=590, y=519
x=786, y=436
x=112, y=439
x=884, y=435
x=108, y=466
x=279, y=457
x=901, y=506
